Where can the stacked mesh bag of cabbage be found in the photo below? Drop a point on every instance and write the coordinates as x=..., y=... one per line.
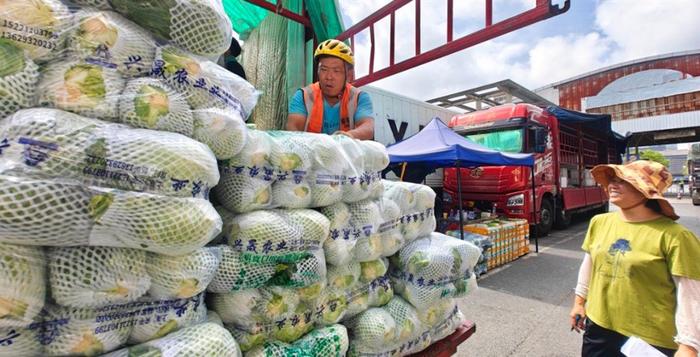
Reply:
x=272, y=288
x=112, y=120
x=278, y=169
x=429, y=275
x=280, y=276
x=481, y=241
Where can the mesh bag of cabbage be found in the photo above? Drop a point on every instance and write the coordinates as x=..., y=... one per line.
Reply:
x=331, y=341
x=297, y=170
x=433, y=268
x=54, y=143
x=22, y=341
x=151, y=104
x=182, y=276
x=18, y=78
x=278, y=236
x=235, y=274
x=253, y=310
x=79, y=331
x=408, y=325
x=200, y=26
x=22, y=284
x=107, y=36
x=284, y=334
x=52, y=213
x=414, y=335
x=39, y=27
x=171, y=315
x=375, y=329
x=206, y=339
x=362, y=296
x=424, y=296
x=437, y=258
x=99, y=4
x=61, y=330
x=97, y=276
x=82, y=88
x=204, y=83
x=305, y=273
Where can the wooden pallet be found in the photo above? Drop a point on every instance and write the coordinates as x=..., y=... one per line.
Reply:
x=448, y=345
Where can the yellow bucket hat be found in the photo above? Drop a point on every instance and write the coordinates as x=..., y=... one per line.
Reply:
x=648, y=177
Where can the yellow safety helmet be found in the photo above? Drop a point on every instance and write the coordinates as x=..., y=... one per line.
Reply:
x=335, y=48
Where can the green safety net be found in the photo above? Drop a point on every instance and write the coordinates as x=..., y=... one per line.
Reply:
x=244, y=16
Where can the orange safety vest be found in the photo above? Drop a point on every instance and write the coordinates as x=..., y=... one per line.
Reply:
x=313, y=100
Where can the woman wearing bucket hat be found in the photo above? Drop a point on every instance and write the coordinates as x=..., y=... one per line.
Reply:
x=641, y=272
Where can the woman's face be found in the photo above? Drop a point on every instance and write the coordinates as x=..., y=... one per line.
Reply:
x=624, y=195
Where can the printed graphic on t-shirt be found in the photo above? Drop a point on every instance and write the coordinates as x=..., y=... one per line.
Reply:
x=616, y=254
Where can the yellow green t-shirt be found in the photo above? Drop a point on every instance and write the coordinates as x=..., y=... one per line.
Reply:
x=631, y=290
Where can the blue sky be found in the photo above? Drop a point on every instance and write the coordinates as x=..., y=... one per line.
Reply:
x=591, y=35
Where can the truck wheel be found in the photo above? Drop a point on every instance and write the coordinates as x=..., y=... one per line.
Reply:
x=546, y=218
x=563, y=219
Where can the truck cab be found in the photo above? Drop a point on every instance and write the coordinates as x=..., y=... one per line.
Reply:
x=564, y=154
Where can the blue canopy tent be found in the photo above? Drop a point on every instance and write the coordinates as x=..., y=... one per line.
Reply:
x=438, y=146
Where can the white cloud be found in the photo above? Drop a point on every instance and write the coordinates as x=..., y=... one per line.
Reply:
x=646, y=28
x=556, y=58
x=624, y=30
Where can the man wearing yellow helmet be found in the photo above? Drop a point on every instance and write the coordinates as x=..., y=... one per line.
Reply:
x=332, y=105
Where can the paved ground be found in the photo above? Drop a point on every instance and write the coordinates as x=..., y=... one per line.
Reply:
x=522, y=308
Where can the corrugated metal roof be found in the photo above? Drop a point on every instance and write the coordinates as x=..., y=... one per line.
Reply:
x=660, y=83
x=658, y=123
x=619, y=65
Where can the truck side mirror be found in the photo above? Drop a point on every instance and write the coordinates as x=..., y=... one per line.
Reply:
x=540, y=139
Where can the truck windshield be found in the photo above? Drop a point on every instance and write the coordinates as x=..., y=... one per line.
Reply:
x=503, y=140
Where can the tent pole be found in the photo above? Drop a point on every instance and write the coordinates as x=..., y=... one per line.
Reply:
x=459, y=197
x=534, y=210
x=403, y=170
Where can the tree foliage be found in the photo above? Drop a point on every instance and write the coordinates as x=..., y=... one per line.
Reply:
x=654, y=156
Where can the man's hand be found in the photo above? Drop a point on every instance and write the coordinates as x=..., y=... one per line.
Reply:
x=685, y=351
x=295, y=122
x=578, y=314
x=345, y=133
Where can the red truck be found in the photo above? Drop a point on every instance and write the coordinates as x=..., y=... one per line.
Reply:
x=566, y=144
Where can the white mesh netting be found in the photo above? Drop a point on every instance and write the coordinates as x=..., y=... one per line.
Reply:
x=21, y=341
x=101, y=36
x=206, y=339
x=182, y=276
x=331, y=341
x=82, y=88
x=433, y=268
x=171, y=315
x=100, y=4
x=39, y=26
x=43, y=212
x=97, y=276
x=18, y=78
x=412, y=334
x=151, y=104
x=298, y=170
x=417, y=203
x=224, y=131
x=55, y=143
x=22, y=284
x=235, y=274
x=199, y=26
x=278, y=236
x=204, y=83
x=77, y=331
